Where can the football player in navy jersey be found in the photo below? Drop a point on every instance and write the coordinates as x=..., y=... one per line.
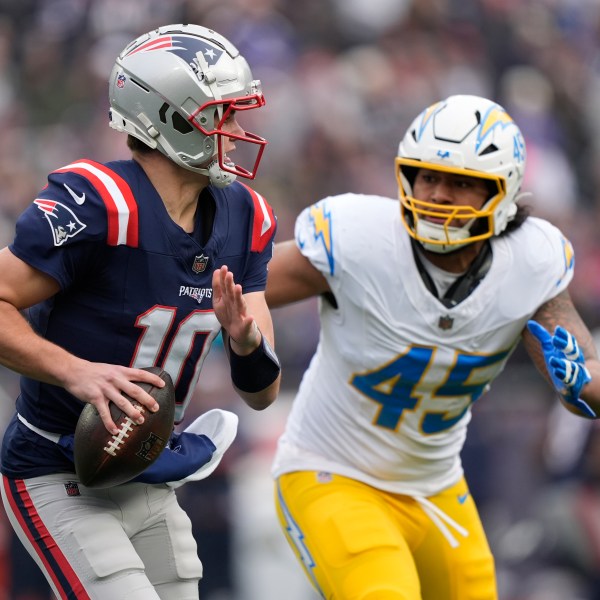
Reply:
x=126, y=265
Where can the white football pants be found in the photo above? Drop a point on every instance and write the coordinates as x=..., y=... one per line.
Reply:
x=130, y=542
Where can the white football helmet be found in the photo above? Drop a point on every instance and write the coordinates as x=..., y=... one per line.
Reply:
x=467, y=135
x=175, y=87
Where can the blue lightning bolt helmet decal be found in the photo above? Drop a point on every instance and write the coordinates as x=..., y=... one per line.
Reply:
x=496, y=116
x=427, y=117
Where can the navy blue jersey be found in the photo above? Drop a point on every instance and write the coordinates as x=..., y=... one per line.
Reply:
x=136, y=289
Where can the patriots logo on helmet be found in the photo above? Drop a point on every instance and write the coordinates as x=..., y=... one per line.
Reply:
x=185, y=46
x=63, y=221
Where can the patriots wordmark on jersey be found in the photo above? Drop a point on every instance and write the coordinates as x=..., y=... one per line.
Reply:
x=136, y=289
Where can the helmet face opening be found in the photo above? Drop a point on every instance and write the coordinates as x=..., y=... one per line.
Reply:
x=446, y=225
x=226, y=108
x=468, y=136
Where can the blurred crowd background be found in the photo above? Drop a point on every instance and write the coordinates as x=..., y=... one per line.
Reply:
x=343, y=79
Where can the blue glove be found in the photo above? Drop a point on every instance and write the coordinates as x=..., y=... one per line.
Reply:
x=565, y=363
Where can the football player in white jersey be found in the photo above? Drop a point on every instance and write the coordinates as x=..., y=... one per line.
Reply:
x=421, y=305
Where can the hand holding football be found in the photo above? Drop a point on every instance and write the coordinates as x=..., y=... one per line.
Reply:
x=105, y=460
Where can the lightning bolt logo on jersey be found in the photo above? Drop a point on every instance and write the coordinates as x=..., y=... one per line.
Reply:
x=569, y=260
x=387, y=397
x=132, y=290
x=322, y=231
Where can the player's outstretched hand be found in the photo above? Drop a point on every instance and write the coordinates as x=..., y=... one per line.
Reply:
x=565, y=363
x=232, y=311
x=101, y=383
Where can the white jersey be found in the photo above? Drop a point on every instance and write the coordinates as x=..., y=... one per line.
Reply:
x=387, y=397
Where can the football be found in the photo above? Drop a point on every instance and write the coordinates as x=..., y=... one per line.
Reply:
x=104, y=460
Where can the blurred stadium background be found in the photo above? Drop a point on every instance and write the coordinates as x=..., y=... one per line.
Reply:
x=343, y=79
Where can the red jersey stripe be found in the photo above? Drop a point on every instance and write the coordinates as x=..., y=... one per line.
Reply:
x=264, y=221
x=121, y=207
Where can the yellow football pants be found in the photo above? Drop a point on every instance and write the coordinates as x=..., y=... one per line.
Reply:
x=359, y=543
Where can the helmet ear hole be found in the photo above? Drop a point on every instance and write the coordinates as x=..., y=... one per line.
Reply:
x=489, y=149
x=180, y=124
x=162, y=113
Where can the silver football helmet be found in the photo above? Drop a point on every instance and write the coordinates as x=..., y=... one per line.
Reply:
x=175, y=87
x=467, y=135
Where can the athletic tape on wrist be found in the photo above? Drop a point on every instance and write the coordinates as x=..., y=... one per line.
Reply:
x=255, y=371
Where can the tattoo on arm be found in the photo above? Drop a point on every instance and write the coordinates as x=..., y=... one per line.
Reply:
x=561, y=311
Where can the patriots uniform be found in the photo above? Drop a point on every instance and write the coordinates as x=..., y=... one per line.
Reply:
x=387, y=397
x=136, y=289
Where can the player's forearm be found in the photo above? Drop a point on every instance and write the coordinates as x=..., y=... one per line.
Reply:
x=25, y=352
x=292, y=277
x=263, y=399
x=255, y=372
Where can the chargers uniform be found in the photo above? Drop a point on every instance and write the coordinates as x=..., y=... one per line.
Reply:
x=136, y=290
x=387, y=398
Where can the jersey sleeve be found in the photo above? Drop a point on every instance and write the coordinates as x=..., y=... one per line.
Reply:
x=263, y=231
x=326, y=230
x=314, y=236
x=58, y=232
x=551, y=261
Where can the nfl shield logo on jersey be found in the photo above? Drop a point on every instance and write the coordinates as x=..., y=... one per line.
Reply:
x=200, y=263
x=445, y=322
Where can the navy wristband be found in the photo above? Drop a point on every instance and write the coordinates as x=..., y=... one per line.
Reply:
x=255, y=371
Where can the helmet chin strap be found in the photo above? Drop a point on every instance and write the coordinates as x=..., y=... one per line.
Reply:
x=432, y=231
x=217, y=176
